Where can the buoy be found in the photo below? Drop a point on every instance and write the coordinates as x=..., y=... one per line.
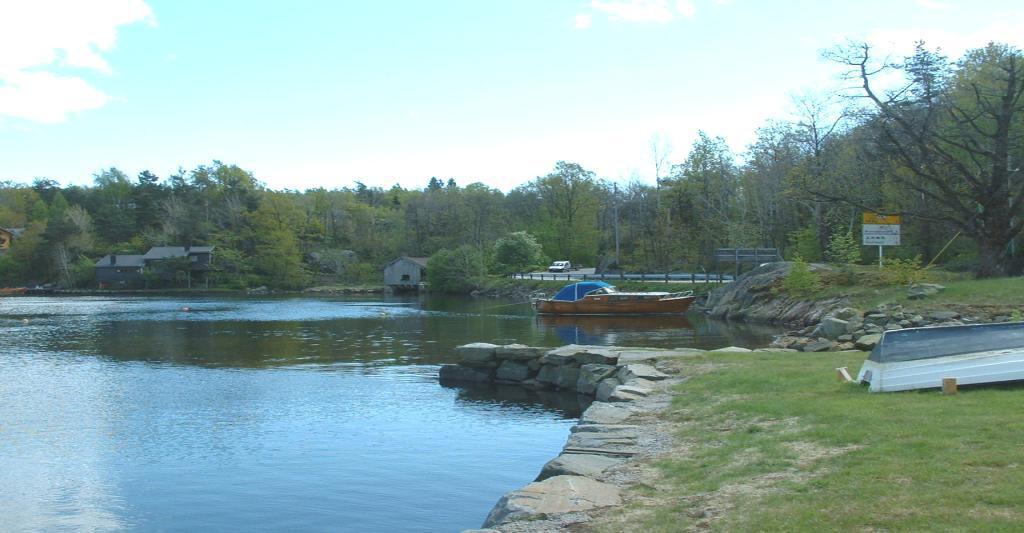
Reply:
x=186, y=309
x=24, y=321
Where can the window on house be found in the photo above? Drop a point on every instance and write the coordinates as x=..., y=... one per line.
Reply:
x=405, y=277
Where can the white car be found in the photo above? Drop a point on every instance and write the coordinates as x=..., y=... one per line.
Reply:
x=560, y=266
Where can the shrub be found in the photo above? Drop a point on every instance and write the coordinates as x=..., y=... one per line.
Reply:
x=516, y=252
x=902, y=271
x=843, y=248
x=456, y=270
x=801, y=282
x=805, y=243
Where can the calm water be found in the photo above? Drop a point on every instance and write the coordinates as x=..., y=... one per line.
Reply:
x=278, y=414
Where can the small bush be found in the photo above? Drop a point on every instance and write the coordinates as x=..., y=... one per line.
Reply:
x=801, y=282
x=805, y=244
x=902, y=271
x=843, y=248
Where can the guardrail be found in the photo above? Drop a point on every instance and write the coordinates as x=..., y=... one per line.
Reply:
x=678, y=277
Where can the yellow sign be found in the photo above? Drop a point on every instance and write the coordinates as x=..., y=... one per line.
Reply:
x=875, y=218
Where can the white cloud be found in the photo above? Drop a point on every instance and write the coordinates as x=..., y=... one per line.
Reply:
x=39, y=37
x=932, y=4
x=635, y=10
x=686, y=8
x=583, y=21
x=900, y=41
x=660, y=11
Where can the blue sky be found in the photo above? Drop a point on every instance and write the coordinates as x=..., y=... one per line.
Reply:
x=324, y=93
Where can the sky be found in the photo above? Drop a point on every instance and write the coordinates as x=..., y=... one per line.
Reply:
x=326, y=93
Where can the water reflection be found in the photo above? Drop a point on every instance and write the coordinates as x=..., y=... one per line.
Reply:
x=566, y=404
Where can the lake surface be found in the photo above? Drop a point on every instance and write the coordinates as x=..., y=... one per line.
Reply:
x=129, y=413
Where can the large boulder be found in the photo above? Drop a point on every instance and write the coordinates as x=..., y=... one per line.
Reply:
x=578, y=464
x=477, y=354
x=867, y=342
x=513, y=371
x=556, y=495
x=449, y=373
x=830, y=328
x=605, y=389
x=919, y=291
x=518, y=352
x=641, y=371
x=591, y=375
x=754, y=297
x=605, y=413
x=581, y=355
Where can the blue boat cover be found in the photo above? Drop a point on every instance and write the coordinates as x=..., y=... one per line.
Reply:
x=576, y=291
x=941, y=341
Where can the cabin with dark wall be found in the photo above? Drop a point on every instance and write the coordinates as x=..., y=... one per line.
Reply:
x=406, y=273
x=119, y=270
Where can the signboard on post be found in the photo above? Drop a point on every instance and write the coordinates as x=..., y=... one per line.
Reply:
x=881, y=230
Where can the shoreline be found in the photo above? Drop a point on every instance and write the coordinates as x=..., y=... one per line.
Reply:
x=608, y=450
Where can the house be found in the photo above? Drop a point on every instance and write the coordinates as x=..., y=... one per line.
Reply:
x=114, y=270
x=125, y=270
x=405, y=273
x=7, y=236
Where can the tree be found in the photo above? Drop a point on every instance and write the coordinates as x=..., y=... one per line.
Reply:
x=517, y=252
x=958, y=139
x=456, y=270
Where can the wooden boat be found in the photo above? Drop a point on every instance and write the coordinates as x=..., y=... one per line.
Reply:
x=599, y=298
x=920, y=358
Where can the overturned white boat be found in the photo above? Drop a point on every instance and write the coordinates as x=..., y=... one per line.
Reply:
x=920, y=358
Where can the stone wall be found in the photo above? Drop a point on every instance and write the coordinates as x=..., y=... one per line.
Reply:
x=590, y=370
x=609, y=436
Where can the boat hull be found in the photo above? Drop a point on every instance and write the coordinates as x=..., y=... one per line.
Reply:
x=615, y=305
x=967, y=369
x=920, y=358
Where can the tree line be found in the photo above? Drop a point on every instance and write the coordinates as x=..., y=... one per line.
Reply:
x=938, y=141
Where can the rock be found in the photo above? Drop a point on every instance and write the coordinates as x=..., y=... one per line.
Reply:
x=567, y=377
x=463, y=373
x=518, y=352
x=876, y=319
x=845, y=346
x=628, y=393
x=556, y=495
x=776, y=350
x=476, y=353
x=845, y=338
x=868, y=342
x=830, y=328
x=513, y=371
x=906, y=323
x=591, y=375
x=917, y=321
x=731, y=349
x=845, y=313
x=604, y=440
x=892, y=326
x=641, y=354
x=577, y=354
x=548, y=374
x=578, y=464
x=820, y=345
x=641, y=371
x=784, y=341
x=262, y=289
x=605, y=389
x=873, y=329
x=942, y=316
x=919, y=291
x=753, y=297
x=605, y=413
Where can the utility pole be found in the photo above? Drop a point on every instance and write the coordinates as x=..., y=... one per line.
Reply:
x=615, y=211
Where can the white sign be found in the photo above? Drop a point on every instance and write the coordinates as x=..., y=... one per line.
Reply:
x=881, y=235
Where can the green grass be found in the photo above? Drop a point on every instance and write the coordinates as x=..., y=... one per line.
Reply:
x=777, y=443
x=868, y=289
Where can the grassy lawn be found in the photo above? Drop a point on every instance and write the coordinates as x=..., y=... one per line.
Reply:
x=775, y=442
x=869, y=291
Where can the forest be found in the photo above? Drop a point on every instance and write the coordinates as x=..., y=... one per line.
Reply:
x=937, y=140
